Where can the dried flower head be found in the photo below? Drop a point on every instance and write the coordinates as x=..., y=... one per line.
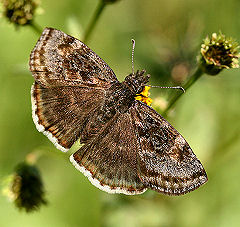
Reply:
x=143, y=96
x=218, y=53
x=26, y=188
x=19, y=12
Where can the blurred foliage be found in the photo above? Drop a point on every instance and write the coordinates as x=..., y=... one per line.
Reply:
x=168, y=35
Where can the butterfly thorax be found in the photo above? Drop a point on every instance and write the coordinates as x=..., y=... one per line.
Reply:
x=121, y=96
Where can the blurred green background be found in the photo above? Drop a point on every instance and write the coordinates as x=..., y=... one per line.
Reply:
x=168, y=35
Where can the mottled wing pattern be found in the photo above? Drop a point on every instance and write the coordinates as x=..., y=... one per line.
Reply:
x=110, y=159
x=59, y=59
x=63, y=113
x=69, y=88
x=167, y=164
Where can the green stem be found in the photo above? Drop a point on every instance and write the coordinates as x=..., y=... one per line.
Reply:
x=36, y=28
x=41, y=151
x=94, y=20
x=198, y=73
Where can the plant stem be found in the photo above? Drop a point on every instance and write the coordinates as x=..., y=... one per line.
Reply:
x=198, y=73
x=36, y=28
x=94, y=20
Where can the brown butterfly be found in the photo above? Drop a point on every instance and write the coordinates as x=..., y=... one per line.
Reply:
x=128, y=147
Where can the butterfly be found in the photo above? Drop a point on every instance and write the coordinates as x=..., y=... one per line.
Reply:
x=128, y=147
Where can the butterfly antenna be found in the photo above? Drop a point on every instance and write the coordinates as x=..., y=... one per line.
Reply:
x=177, y=87
x=133, y=47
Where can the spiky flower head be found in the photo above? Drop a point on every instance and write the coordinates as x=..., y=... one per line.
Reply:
x=218, y=53
x=19, y=12
x=26, y=188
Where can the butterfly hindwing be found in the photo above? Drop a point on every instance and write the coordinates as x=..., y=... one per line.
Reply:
x=110, y=159
x=167, y=164
x=61, y=112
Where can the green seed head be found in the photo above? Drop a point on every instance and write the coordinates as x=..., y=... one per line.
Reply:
x=19, y=12
x=218, y=53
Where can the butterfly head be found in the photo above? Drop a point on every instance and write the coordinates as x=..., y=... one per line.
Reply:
x=137, y=81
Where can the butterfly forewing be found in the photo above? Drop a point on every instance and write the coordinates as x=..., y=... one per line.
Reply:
x=61, y=60
x=167, y=164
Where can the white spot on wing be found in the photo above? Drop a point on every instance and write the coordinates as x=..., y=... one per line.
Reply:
x=165, y=124
x=180, y=140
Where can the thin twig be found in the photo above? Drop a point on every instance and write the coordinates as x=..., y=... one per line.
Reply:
x=94, y=20
x=198, y=73
x=37, y=28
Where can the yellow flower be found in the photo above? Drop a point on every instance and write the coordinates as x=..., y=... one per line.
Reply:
x=143, y=96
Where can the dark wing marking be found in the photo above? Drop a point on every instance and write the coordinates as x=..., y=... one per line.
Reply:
x=167, y=164
x=110, y=159
x=59, y=59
